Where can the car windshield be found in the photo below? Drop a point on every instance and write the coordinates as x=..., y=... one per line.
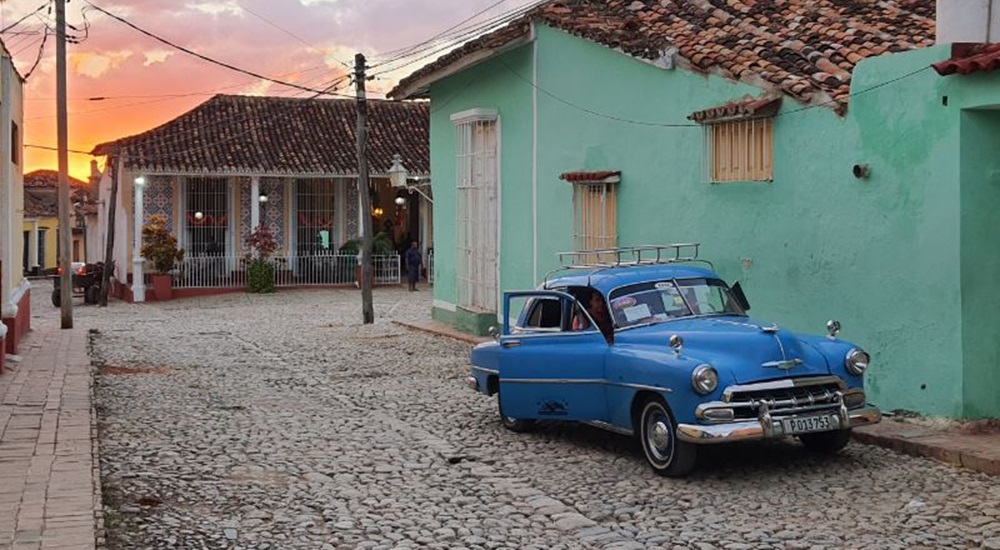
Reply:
x=657, y=301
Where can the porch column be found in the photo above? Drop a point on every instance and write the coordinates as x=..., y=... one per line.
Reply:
x=33, y=248
x=138, y=284
x=254, y=202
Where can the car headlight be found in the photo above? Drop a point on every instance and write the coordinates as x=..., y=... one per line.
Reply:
x=704, y=379
x=856, y=362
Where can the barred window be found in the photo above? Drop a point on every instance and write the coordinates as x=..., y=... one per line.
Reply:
x=595, y=216
x=739, y=150
x=315, y=219
x=206, y=216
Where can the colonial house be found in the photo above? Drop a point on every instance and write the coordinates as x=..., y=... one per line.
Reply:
x=41, y=221
x=235, y=163
x=15, y=293
x=783, y=136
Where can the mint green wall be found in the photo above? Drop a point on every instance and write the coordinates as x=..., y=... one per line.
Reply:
x=883, y=255
x=980, y=181
x=488, y=85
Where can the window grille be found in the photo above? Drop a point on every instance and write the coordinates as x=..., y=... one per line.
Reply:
x=206, y=216
x=478, y=213
x=595, y=217
x=315, y=217
x=739, y=150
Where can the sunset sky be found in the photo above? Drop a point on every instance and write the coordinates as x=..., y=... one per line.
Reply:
x=144, y=83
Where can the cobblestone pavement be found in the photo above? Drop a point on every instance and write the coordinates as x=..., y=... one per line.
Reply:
x=280, y=422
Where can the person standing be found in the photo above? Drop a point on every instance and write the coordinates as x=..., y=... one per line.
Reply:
x=413, y=261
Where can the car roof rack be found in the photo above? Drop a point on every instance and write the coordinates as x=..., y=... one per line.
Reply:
x=628, y=256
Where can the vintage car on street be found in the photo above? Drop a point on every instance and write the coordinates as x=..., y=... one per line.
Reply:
x=649, y=341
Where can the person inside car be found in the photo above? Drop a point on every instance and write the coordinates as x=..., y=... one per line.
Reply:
x=598, y=311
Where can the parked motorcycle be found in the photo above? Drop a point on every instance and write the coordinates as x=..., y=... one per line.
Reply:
x=86, y=281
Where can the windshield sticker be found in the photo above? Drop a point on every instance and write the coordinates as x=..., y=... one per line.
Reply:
x=637, y=313
x=623, y=302
x=664, y=286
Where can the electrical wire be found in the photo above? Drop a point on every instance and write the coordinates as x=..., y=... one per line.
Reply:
x=202, y=56
x=48, y=148
x=406, y=49
x=454, y=39
x=38, y=59
x=286, y=31
x=21, y=20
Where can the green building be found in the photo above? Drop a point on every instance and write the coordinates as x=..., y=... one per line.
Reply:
x=813, y=151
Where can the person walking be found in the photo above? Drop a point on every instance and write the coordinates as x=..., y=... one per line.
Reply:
x=413, y=261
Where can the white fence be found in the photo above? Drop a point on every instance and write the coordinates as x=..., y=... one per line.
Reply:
x=316, y=270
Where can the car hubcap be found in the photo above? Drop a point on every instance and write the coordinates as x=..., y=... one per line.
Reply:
x=659, y=439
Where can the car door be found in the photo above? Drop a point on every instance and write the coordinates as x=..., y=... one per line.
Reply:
x=547, y=370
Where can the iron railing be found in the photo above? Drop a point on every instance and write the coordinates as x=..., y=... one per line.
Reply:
x=312, y=270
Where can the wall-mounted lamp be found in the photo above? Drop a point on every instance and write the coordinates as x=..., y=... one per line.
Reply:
x=140, y=181
x=400, y=201
x=861, y=171
x=262, y=198
x=199, y=216
x=377, y=212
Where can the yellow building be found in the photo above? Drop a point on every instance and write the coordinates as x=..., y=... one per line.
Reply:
x=41, y=221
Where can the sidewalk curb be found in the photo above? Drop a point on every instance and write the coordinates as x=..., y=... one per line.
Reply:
x=914, y=447
x=443, y=331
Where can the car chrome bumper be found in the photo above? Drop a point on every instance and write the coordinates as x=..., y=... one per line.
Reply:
x=748, y=430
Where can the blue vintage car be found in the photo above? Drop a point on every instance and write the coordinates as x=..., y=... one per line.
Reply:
x=651, y=342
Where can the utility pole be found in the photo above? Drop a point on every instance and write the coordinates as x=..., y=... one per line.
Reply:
x=109, y=249
x=65, y=231
x=367, y=309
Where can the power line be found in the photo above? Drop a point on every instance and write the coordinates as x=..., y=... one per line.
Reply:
x=407, y=49
x=454, y=39
x=47, y=148
x=38, y=59
x=205, y=57
x=286, y=31
x=21, y=20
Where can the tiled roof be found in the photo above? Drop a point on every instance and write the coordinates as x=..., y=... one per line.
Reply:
x=804, y=48
x=243, y=135
x=41, y=197
x=970, y=58
x=745, y=108
x=604, y=176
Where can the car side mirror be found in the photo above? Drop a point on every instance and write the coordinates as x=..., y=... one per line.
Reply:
x=494, y=332
x=741, y=298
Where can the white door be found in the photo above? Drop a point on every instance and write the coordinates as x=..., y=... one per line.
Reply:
x=478, y=215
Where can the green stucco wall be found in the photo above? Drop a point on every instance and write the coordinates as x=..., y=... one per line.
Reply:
x=888, y=256
x=487, y=86
x=980, y=184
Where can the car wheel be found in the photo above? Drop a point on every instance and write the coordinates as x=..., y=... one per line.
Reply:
x=518, y=425
x=92, y=294
x=56, y=298
x=667, y=455
x=826, y=442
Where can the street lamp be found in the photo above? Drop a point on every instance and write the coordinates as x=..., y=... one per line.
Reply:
x=397, y=172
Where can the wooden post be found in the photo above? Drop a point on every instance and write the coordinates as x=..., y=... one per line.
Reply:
x=109, y=247
x=367, y=308
x=66, y=232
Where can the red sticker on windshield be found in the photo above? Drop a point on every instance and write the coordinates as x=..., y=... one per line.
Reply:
x=624, y=302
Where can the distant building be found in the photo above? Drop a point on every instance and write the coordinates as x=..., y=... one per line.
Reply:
x=15, y=293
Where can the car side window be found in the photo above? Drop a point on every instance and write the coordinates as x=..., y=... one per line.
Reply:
x=544, y=314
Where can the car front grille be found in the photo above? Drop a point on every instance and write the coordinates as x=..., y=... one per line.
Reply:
x=791, y=396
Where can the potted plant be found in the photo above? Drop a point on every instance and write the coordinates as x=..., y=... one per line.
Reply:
x=260, y=269
x=160, y=247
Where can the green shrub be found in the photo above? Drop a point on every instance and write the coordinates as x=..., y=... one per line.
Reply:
x=158, y=245
x=260, y=276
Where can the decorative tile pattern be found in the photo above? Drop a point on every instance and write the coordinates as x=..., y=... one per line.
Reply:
x=239, y=135
x=245, y=220
x=158, y=198
x=272, y=213
x=351, y=209
x=805, y=48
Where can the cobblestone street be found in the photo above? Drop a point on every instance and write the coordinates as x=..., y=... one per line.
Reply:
x=281, y=422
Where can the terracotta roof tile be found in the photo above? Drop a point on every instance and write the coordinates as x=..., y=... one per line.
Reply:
x=230, y=134
x=737, y=35
x=592, y=176
x=41, y=193
x=970, y=58
x=750, y=107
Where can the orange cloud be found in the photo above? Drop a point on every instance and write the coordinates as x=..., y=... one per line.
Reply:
x=97, y=64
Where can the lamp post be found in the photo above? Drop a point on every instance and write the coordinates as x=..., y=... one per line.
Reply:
x=138, y=283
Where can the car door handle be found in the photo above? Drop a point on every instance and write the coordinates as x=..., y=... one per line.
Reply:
x=510, y=343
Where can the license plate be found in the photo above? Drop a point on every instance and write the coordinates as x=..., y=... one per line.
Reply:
x=807, y=424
